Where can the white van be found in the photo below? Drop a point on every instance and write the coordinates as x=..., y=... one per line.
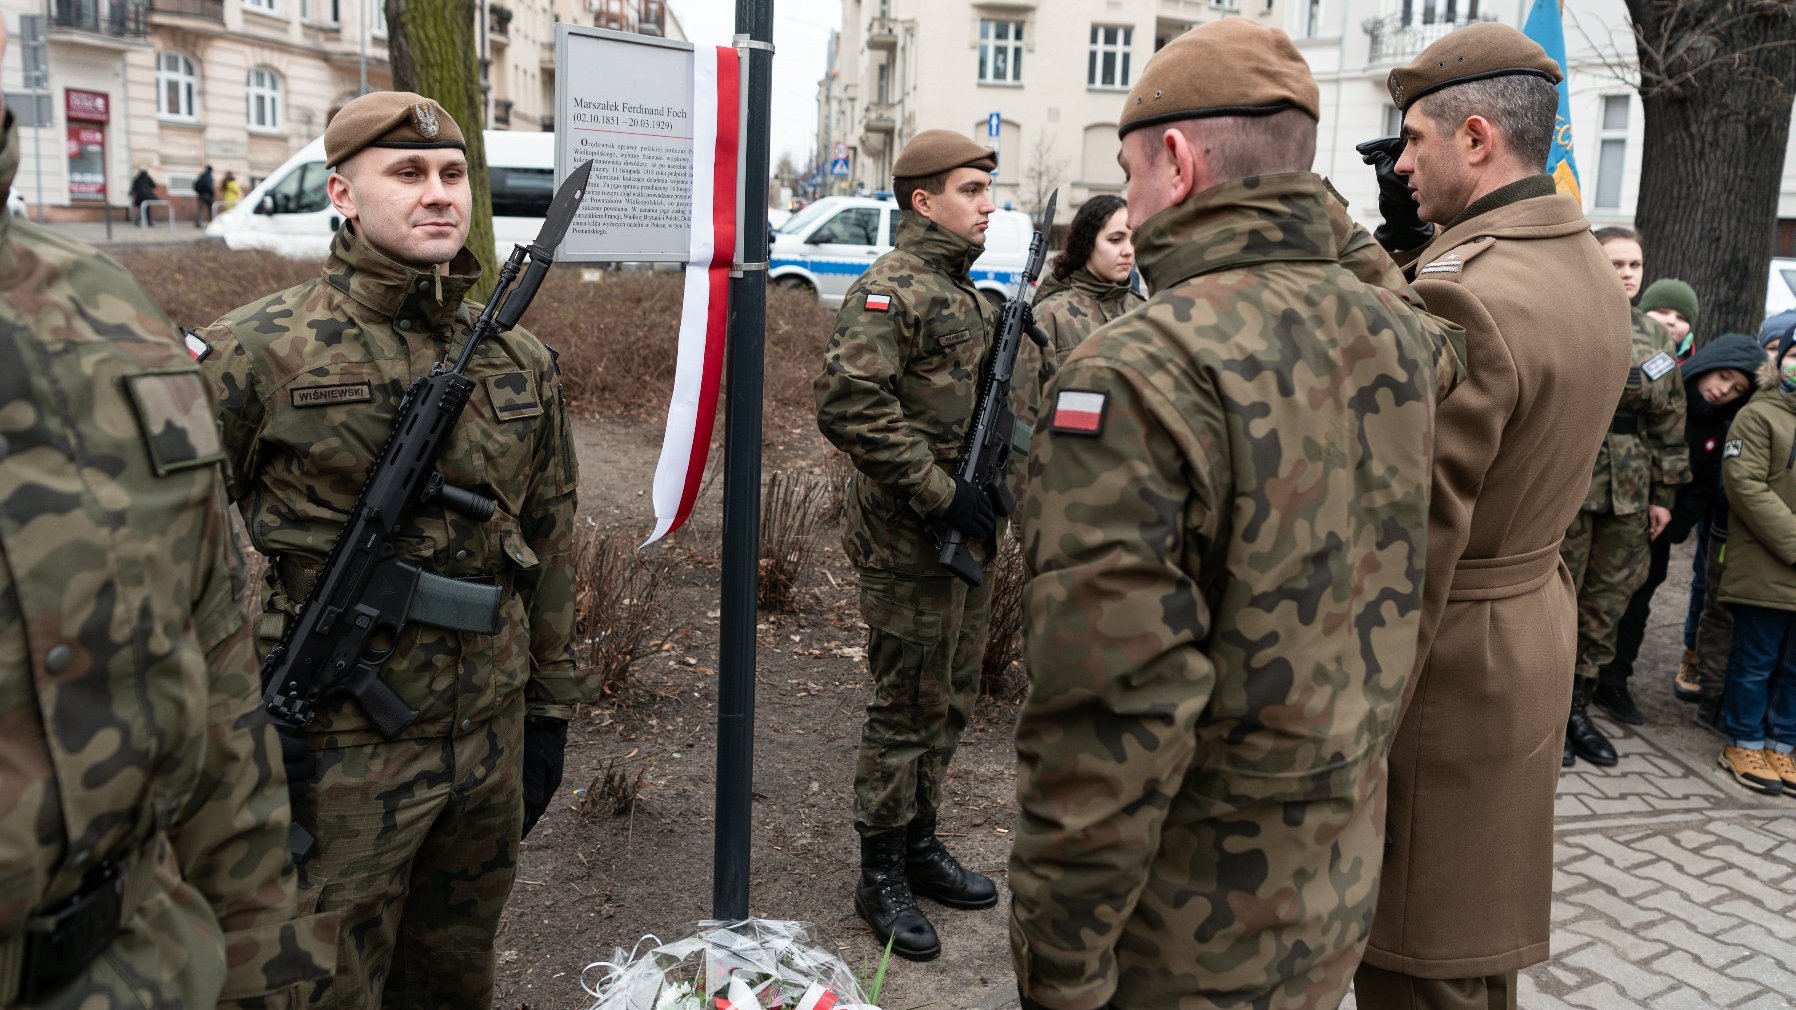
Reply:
x=829, y=243
x=1780, y=292
x=289, y=212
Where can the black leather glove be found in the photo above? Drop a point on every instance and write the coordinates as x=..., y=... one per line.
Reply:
x=1403, y=228
x=971, y=510
x=545, y=744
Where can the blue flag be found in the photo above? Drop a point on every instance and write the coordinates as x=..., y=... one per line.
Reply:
x=1545, y=27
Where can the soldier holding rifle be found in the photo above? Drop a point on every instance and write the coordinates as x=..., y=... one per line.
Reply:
x=418, y=819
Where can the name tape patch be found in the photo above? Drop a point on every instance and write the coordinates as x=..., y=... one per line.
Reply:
x=1731, y=449
x=1656, y=366
x=329, y=396
x=879, y=303
x=1079, y=412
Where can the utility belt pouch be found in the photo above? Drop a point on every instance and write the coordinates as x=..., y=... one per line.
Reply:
x=60, y=941
x=1625, y=424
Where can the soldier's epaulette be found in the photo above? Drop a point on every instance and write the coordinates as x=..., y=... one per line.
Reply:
x=1448, y=265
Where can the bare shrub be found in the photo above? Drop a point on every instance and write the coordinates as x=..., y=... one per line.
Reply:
x=198, y=282
x=1001, y=670
x=837, y=470
x=616, y=607
x=791, y=510
x=612, y=791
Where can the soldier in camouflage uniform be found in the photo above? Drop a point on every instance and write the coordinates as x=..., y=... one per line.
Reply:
x=1086, y=287
x=1632, y=487
x=143, y=807
x=896, y=394
x=417, y=836
x=1225, y=533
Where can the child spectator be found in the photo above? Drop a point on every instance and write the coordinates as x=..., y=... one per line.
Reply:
x=1758, y=709
x=1673, y=304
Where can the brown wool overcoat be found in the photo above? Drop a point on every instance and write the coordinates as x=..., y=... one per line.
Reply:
x=1468, y=871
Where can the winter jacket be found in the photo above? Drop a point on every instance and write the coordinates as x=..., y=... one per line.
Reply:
x=1758, y=464
x=1705, y=430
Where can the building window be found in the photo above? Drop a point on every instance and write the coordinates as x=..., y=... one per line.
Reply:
x=264, y=99
x=1312, y=18
x=380, y=16
x=1000, y=52
x=1226, y=5
x=1612, y=153
x=1393, y=121
x=1107, y=63
x=176, y=84
x=265, y=6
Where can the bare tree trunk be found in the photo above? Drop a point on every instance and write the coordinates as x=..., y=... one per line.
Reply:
x=1716, y=79
x=432, y=44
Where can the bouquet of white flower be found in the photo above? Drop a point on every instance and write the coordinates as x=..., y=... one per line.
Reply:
x=756, y=964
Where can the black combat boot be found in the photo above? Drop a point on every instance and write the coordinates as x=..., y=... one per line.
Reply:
x=883, y=898
x=1587, y=741
x=935, y=873
x=1614, y=699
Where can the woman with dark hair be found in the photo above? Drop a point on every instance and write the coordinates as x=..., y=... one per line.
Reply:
x=1087, y=286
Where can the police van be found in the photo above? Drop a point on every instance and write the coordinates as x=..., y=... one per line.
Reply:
x=825, y=246
x=290, y=213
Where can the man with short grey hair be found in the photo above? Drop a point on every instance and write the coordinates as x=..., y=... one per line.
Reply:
x=1475, y=760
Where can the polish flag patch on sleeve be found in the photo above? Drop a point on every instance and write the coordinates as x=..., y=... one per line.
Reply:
x=196, y=345
x=1079, y=412
x=879, y=303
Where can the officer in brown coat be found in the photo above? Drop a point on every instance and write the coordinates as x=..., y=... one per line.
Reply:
x=1476, y=757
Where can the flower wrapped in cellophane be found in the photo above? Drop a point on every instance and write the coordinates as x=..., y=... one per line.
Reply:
x=755, y=964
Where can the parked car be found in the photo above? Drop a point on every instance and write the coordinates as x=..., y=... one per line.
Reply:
x=1780, y=293
x=290, y=213
x=829, y=243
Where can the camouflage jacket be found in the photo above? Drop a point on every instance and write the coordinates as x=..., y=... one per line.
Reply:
x=308, y=382
x=1225, y=534
x=1067, y=311
x=899, y=381
x=1644, y=466
x=130, y=727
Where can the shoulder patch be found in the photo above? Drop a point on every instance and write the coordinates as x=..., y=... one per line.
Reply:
x=879, y=303
x=1079, y=412
x=196, y=344
x=1731, y=449
x=1656, y=366
x=179, y=428
x=512, y=396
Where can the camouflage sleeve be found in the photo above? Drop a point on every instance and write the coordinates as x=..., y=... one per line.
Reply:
x=1665, y=438
x=231, y=371
x=1118, y=675
x=548, y=589
x=857, y=402
x=1745, y=463
x=1030, y=375
x=231, y=836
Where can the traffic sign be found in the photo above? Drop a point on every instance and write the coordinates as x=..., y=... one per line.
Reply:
x=993, y=123
x=839, y=167
x=840, y=150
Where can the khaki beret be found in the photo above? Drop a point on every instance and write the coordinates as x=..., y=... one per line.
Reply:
x=1472, y=53
x=933, y=152
x=389, y=119
x=1231, y=67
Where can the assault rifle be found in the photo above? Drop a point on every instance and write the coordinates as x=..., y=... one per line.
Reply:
x=994, y=428
x=364, y=595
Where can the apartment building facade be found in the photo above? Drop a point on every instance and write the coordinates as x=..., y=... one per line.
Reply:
x=171, y=86
x=1056, y=73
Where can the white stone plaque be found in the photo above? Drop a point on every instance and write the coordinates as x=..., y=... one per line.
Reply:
x=622, y=102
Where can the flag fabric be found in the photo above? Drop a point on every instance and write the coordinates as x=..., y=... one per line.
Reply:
x=704, y=312
x=1546, y=26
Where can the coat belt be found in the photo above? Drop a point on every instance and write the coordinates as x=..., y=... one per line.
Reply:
x=1502, y=577
x=58, y=943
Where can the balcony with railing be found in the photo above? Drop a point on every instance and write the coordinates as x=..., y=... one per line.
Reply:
x=643, y=17
x=1399, y=36
x=879, y=118
x=498, y=24
x=882, y=33
x=198, y=10
x=116, y=18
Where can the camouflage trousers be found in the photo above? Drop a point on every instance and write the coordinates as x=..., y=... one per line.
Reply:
x=417, y=848
x=1608, y=556
x=1714, y=631
x=926, y=635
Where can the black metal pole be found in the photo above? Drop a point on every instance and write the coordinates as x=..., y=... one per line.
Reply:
x=745, y=343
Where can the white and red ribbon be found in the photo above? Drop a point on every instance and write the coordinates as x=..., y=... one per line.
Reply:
x=698, y=370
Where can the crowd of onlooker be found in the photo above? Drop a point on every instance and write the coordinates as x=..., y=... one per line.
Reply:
x=1739, y=504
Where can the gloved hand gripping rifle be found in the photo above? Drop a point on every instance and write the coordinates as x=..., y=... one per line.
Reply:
x=350, y=623
x=994, y=428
